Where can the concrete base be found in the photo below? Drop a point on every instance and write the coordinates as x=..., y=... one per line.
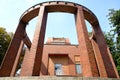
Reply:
x=55, y=78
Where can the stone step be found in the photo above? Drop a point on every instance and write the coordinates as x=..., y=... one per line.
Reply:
x=55, y=78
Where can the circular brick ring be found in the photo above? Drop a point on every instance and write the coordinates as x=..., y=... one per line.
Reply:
x=58, y=6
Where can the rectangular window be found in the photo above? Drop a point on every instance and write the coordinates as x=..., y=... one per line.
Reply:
x=78, y=68
x=58, y=69
x=78, y=64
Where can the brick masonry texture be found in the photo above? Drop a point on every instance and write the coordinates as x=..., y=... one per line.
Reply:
x=39, y=59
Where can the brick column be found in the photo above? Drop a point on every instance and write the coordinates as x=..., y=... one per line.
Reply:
x=99, y=60
x=33, y=63
x=12, y=51
x=17, y=59
x=89, y=68
x=24, y=61
x=103, y=50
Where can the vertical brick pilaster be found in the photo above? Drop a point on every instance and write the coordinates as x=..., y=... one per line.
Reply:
x=99, y=60
x=104, y=52
x=24, y=61
x=87, y=56
x=12, y=51
x=33, y=63
x=17, y=59
x=44, y=64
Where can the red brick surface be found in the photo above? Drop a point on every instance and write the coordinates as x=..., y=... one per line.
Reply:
x=94, y=54
x=13, y=50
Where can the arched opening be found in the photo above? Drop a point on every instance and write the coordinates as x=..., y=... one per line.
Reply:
x=30, y=28
x=89, y=28
x=61, y=25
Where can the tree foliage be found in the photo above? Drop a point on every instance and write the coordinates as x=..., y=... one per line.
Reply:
x=114, y=18
x=113, y=37
x=5, y=39
x=110, y=41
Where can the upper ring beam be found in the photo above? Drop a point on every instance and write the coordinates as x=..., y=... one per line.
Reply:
x=58, y=6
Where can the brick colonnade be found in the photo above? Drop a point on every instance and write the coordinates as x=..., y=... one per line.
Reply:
x=96, y=60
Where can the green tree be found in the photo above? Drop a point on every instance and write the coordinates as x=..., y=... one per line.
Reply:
x=5, y=39
x=112, y=46
x=114, y=18
x=110, y=41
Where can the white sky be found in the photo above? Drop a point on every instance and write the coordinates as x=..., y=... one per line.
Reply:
x=63, y=25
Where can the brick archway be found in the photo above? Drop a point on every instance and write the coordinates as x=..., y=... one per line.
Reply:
x=98, y=61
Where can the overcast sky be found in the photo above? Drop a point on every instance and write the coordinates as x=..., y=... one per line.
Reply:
x=58, y=24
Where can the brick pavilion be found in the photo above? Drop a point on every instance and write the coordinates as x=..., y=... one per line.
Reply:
x=90, y=58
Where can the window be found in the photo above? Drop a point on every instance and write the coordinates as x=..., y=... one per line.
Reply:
x=78, y=68
x=58, y=69
x=78, y=64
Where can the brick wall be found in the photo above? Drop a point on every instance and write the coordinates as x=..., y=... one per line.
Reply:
x=64, y=53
